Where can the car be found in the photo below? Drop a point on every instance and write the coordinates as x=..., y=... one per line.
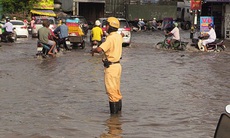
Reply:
x=83, y=22
x=20, y=28
x=124, y=28
x=38, y=24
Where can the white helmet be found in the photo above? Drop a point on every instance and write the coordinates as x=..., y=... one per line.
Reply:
x=175, y=23
x=97, y=22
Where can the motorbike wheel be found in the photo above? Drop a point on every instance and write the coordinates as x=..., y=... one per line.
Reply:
x=83, y=45
x=159, y=45
x=9, y=39
x=220, y=48
x=182, y=47
x=15, y=37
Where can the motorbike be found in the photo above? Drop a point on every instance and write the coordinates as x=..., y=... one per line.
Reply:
x=95, y=44
x=153, y=28
x=223, y=126
x=11, y=37
x=216, y=46
x=178, y=45
x=42, y=49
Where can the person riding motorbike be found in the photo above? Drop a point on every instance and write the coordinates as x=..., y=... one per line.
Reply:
x=141, y=25
x=8, y=29
x=32, y=22
x=97, y=33
x=211, y=34
x=154, y=24
x=175, y=34
x=62, y=32
x=43, y=37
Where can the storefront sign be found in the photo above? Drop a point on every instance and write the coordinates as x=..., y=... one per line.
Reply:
x=44, y=4
x=195, y=5
x=43, y=12
x=204, y=21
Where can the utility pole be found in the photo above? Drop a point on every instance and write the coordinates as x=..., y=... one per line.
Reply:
x=194, y=23
x=195, y=7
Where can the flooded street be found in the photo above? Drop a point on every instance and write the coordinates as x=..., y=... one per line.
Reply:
x=166, y=93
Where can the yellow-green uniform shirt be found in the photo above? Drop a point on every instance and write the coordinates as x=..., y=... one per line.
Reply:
x=97, y=33
x=112, y=47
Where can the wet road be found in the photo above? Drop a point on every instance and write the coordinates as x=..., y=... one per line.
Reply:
x=165, y=93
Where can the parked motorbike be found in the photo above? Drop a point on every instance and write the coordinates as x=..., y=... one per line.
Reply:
x=223, y=126
x=178, y=45
x=216, y=46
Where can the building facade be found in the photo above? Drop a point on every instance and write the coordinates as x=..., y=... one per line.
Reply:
x=94, y=9
x=220, y=10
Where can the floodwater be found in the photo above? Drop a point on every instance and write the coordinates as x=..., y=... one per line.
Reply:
x=166, y=93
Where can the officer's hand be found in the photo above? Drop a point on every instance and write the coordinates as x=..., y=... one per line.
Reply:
x=122, y=34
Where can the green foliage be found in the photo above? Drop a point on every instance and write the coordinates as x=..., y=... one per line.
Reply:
x=17, y=6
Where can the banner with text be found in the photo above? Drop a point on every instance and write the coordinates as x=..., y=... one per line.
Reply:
x=204, y=21
x=44, y=4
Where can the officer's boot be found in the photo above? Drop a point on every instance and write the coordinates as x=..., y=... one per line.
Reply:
x=114, y=107
x=119, y=105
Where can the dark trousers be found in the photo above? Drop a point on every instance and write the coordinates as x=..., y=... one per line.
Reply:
x=60, y=41
x=4, y=34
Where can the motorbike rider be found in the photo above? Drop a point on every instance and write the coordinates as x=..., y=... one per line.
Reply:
x=43, y=36
x=32, y=22
x=8, y=29
x=112, y=48
x=175, y=34
x=62, y=32
x=97, y=33
x=211, y=34
x=142, y=25
x=154, y=24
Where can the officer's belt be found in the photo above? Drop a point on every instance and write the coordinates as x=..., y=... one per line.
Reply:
x=115, y=62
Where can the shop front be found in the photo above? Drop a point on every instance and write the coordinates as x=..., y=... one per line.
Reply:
x=220, y=11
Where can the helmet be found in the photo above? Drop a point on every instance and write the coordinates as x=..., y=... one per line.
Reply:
x=97, y=23
x=154, y=18
x=211, y=24
x=175, y=23
x=63, y=21
x=112, y=21
x=7, y=19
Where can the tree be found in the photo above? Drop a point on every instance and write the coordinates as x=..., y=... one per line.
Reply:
x=18, y=7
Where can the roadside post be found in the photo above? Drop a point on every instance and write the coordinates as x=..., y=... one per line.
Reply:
x=195, y=6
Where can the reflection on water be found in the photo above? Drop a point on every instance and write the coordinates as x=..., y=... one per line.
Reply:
x=114, y=127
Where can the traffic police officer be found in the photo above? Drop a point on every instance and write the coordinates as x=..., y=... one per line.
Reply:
x=112, y=49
